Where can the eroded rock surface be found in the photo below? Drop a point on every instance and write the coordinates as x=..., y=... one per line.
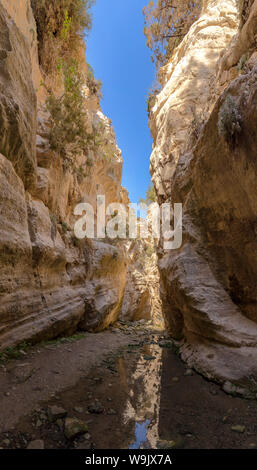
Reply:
x=142, y=293
x=51, y=283
x=17, y=100
x=209, y=284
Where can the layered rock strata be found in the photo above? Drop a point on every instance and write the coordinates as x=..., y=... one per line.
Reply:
x=51, y=283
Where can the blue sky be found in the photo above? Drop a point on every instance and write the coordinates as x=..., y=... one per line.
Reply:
x=116, y=49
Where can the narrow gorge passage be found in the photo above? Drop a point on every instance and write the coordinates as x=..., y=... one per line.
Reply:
x=121, y=389
x=125, y=325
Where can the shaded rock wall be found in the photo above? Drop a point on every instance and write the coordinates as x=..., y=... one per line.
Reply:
x=142, y=293
x=209, y=284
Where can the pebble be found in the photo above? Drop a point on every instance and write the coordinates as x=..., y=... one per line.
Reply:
x=74, y=427
x=56, y=412
x=59, y=423
x=188, y=373
x=173, y=444
x=238, y=428
x=175, y=379
x=37, y=444
x=86, y=445
x=228, y=387
x=95, y=407
x=78, y=409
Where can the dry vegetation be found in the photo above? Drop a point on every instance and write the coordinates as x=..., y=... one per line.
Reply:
x=166, y=24
x=230, y=120
x=61, y=25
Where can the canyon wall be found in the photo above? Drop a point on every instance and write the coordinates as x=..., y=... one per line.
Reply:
x=142, y=293
x=51, y=283
x=204, y=125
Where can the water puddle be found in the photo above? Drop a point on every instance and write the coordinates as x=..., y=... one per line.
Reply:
x=142, y=405
x=141, y=430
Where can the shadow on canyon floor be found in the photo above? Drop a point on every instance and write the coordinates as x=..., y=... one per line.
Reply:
x=139, y=396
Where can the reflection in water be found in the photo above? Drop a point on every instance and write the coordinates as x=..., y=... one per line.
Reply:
x=143, y=402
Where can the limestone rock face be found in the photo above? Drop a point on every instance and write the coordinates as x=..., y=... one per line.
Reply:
x=17, y=100
x=51, y=283
x=208, y=286
x=104, y=292
x=21, y=13
x=188, y=81
x=244, y=41
x=142, y=297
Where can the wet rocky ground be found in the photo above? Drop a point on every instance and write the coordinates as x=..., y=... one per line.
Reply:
x=139, y=394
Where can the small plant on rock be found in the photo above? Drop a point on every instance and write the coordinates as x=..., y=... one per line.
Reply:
x=241, y=63
x=65, y=227
x=151, y=99
x=230, y=120
x=150, y=196
x=65, y=32
x=94, y=86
